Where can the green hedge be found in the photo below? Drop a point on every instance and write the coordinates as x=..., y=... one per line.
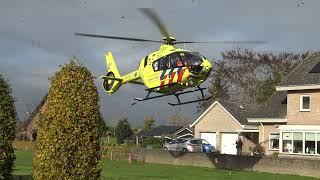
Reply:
x=68, y=140
x=7, y=129
x=153, y=143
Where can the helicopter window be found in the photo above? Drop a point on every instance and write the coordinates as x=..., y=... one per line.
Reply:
x=191, y=58
x=145, y=61
x=175, y=60
x=161, y=64
x=156, y=66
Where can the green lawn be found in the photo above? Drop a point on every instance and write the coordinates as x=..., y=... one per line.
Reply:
x=122, y=170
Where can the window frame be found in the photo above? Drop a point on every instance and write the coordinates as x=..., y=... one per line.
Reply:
x=303, y=143
x=315, y=142
x=270, y=148
x=301, y=103
x=145, y=61
x=158, y=60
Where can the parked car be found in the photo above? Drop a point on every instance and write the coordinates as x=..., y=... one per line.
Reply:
x=189, y=145
x=207, y=147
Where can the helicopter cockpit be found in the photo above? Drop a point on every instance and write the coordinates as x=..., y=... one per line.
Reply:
x=192, y=60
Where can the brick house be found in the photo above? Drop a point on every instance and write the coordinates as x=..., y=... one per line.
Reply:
x=269, y=116
x=221, y=125
x=30, y=125
x=289, y=122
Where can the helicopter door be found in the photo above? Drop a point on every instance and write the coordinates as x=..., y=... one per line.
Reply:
x=175, y=60
x=159, y=75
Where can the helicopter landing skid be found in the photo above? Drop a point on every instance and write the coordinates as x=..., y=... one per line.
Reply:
x=176, y=95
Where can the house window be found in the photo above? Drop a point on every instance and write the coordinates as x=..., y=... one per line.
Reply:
x=310, y=143
x=318, y=142
x=297, y=142
x=274, y=141
x=305, y=103
x=287, y=142
x=301, y=142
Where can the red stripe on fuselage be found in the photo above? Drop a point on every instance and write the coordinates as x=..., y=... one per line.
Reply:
x=181, y=74
x=163, y=81
x=172, y=76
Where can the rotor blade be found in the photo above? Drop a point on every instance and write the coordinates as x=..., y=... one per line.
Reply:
x=152, y=15
x=223, y=42
x=116, y=37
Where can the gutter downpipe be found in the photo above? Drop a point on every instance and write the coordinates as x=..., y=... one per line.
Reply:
x=262, y=134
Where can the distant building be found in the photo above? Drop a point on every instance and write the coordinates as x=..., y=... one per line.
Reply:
x=30, y=125
x=221, y=125
x=168, y=132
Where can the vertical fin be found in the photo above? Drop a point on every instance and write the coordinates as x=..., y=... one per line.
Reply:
x=111, y=65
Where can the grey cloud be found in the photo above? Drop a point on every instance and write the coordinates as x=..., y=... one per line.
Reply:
x=37, y=35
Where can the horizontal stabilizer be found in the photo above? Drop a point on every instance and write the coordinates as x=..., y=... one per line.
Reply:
x=110, y=78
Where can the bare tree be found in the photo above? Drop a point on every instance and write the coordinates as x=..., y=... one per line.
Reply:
x=177, y=118
x=149, y=122
x=250, y=76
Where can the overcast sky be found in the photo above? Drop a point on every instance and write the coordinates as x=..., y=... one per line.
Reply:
x=36, y=36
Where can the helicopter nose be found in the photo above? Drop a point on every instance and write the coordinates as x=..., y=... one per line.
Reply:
x=208, y=69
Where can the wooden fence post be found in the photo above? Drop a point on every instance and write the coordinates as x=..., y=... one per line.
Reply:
x=111, y=155
x=130, y=158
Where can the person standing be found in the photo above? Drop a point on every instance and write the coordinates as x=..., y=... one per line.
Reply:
x=239, y=146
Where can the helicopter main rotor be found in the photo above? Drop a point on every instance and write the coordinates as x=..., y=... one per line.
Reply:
x=152, y=15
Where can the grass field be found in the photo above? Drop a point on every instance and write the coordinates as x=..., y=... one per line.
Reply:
x=122, y=170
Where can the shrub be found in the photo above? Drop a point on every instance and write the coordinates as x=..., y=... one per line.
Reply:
x=153, y=143
x=123, y=130
x=7, y=129
x=112, y=141
x=115, y=152
x=275, y=154
x=68, y=135
x=257, y=149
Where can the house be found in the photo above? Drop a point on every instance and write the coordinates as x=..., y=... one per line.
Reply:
x=289, y=123
x=221, y=125
x=168, y=132
x=30, y=125
x=269, y=116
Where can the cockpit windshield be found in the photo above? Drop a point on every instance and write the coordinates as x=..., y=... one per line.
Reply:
x=190, y=58
x=178, y=59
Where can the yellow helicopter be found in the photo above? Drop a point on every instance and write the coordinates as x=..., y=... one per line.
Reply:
x=168, y=71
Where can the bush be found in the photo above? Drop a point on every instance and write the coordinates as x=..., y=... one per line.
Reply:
x=115, y=152
x=68, y=138
x=153, y=143
x=257, y=149
x=275, y=154
x=112, y=141
x=123, y=130
x=7, y=129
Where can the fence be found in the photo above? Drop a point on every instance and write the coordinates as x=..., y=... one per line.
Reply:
x=23, y=145
x=304, y=167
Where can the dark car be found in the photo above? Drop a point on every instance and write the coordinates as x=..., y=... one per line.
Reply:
x=207, y=147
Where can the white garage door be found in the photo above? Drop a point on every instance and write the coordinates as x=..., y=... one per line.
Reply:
x=228, y=143
x=210, y=137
